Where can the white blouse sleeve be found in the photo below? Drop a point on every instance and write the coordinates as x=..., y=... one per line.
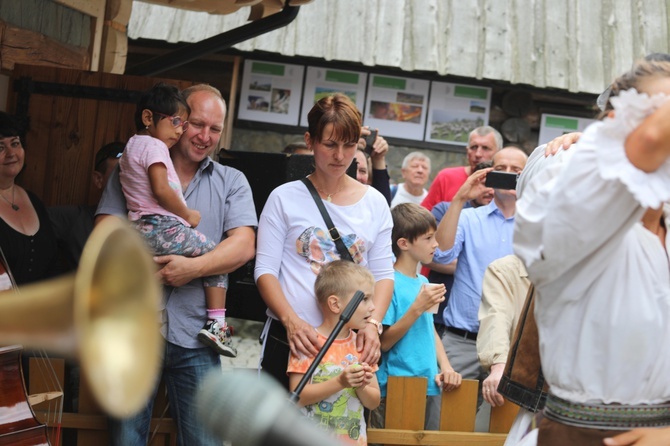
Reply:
x=575, y=214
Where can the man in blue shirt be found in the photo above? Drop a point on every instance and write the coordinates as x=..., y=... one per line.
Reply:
x=480, y=236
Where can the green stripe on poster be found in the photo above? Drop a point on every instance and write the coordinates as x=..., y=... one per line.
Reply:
x=267, y=68
x=342, y=76
x=562, y=123
x=470, y=92
x=389, y=82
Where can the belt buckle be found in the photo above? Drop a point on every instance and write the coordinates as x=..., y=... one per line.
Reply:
x=330, y=232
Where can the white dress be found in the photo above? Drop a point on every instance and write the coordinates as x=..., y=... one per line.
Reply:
x=603, y=280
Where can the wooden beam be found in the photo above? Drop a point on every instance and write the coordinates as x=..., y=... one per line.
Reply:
x=21, y=46
x=114, y=47
x=95, y=9
x=437, y=438
x=227, y=139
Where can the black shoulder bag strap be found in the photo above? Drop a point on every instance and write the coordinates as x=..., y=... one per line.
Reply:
x=332, y=230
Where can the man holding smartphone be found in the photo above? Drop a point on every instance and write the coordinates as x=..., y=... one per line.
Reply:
x=476, y=237
x=483, y=143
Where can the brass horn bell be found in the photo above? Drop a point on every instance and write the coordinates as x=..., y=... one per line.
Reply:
x=106, y=314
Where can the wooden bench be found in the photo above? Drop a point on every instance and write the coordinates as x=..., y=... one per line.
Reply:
x=405, y=417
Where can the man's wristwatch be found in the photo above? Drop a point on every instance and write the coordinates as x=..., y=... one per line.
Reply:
x=377, y=324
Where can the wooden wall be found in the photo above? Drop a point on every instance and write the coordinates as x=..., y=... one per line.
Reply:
x=68, y=125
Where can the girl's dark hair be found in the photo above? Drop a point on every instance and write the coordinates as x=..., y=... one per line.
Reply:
x=11, y=125
x=161, y=98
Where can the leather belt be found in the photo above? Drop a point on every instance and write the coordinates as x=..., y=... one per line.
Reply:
x=463, y=333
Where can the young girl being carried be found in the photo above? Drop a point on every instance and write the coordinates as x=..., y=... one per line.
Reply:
x=156, y=203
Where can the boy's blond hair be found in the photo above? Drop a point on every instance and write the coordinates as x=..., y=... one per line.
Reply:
x=410, y=221
x=340, y=278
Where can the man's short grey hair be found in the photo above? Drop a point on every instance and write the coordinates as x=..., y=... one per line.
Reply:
x=415, y=155
x=485, y=130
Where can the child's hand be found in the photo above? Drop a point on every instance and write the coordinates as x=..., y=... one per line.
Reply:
x=193, y=218
x=367, y=378
x=448, y=380
x=354, y=375
x=430, y=295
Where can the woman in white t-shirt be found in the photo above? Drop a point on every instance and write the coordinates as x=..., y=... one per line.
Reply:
x=293, y=240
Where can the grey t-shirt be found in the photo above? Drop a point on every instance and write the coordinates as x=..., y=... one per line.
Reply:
x=223, y=196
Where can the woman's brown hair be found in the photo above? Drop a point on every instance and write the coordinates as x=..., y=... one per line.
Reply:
x=338, y=110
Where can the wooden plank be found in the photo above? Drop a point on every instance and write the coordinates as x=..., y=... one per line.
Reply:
x=94, y=8
x=226, y=141
x=406, y=403
x=21, y=46
x=436, y=438
x=459, y=407
x=502, y=417
x=99, y=422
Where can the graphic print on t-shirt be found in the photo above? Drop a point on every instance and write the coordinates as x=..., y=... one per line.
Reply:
x=316, y=246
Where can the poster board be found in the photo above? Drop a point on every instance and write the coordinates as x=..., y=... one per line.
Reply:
x=397, y=106
x=456, y=110
x=553, y=126
x=271, y=92
x=320, y=82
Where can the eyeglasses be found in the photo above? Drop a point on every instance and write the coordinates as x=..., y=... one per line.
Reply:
x=175, y=120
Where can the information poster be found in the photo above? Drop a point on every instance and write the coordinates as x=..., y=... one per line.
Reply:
x=456, y=110
x=553, y=126
x=320, y=82
x=397, y=106
x=271, y=92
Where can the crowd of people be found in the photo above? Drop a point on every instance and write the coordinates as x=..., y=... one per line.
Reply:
x=564, y=275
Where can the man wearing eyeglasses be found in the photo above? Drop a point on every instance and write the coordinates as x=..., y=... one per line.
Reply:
x=223, y=197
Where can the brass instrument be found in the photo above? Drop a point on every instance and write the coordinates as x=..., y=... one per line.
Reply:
x=106, y=314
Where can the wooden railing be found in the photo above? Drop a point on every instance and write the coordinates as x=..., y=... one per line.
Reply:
x=90, y=421
x=405, y=417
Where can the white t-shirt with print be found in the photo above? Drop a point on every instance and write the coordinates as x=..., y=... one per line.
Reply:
x=293, y=242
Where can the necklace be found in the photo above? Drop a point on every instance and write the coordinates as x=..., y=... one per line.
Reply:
x=11, y=203
x=328, y=196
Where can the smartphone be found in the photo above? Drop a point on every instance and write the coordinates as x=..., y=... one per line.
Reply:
x=501, y=180
x=370, y=140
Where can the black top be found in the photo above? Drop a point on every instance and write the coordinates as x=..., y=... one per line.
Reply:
x=30, y=257
x=72, y=225
x=381, y=182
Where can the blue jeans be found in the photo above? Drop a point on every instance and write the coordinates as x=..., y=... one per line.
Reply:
x=183, y=371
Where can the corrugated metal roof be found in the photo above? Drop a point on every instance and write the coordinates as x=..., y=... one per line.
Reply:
x=576, y=45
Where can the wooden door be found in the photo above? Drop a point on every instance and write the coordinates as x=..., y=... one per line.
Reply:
x=71, y=114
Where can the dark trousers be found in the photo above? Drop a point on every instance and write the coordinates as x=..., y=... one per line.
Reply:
x=276, y=353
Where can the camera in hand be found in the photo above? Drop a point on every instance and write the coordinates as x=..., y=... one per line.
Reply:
x=370, y=140
x=501, y=180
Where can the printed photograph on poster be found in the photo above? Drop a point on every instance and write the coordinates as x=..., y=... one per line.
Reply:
x=397, y=106
x=456, y=110
x=271, y=92
x=553, y=126
x=321, y=82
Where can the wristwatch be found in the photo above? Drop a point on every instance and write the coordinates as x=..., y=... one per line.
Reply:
x=377, y=324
